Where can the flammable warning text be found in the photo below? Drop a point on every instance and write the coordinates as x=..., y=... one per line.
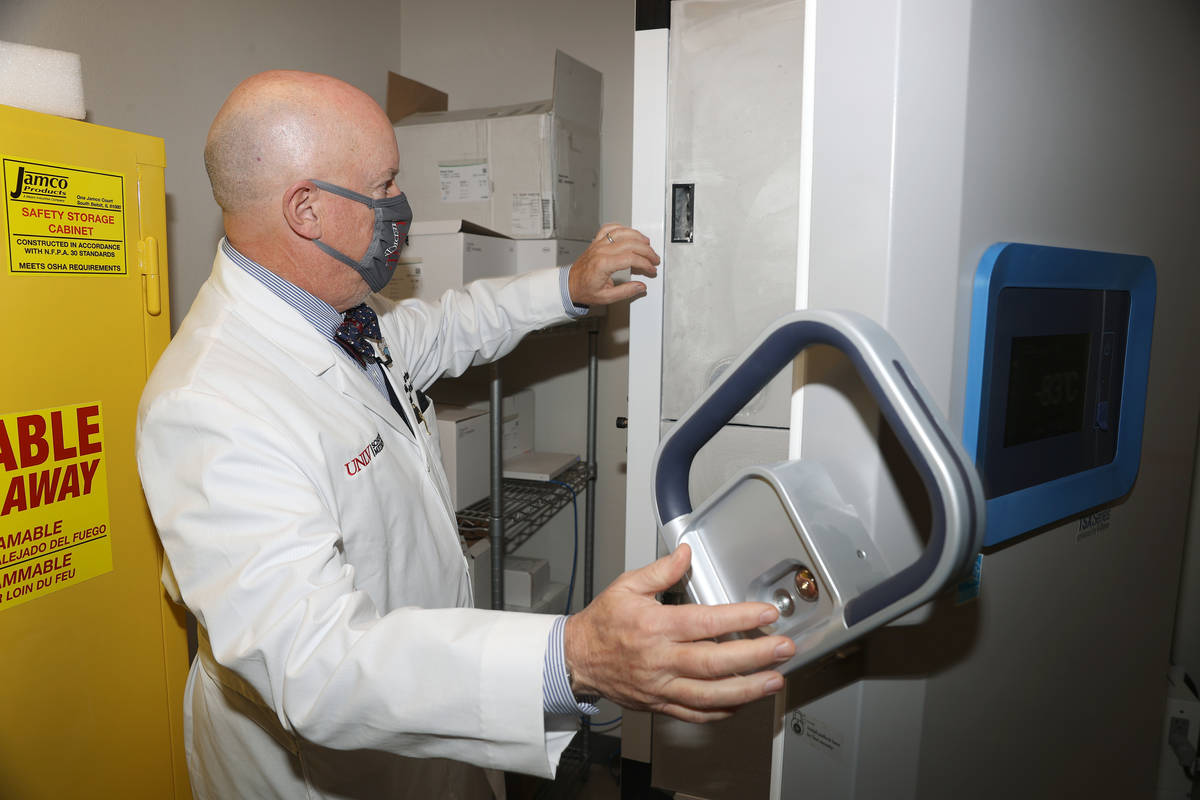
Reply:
x=18, y=547
x=50, y=457
x=56, y=569
x=33, y=570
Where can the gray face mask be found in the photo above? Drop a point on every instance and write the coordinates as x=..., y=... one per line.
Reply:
x=392, y=216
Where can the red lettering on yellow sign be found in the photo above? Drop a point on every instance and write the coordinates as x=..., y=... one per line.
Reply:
x=55, y=455
x=33, y=448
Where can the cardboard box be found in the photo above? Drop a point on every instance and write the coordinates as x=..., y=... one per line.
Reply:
x=463, y=433
x=525, y=580
x=529, y=171
x=448, y=254
x=553, y=601
x=543, y=253
x=479, y=565
x=538, y=466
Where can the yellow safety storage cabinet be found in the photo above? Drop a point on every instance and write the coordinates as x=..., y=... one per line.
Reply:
x=94, y=654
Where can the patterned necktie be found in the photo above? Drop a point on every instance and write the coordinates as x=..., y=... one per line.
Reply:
x=359, y=328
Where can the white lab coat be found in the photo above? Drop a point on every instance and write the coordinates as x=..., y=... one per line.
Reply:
x=311, y=534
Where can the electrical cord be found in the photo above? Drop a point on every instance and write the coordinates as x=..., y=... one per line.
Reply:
x=571, y=592
x=575, y=551
x=612, y=721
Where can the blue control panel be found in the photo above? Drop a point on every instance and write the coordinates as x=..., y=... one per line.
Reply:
x=1056, y=381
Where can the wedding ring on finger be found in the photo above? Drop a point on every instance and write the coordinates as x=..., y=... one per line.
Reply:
x=609, y=237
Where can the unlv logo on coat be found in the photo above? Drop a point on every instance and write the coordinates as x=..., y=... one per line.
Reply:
x=363, y=459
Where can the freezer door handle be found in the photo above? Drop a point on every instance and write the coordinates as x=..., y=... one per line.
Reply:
x=955, y=492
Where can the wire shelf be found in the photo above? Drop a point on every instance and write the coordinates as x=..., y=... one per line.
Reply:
x=528, y=505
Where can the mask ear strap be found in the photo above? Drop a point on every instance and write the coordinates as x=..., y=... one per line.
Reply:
x=340, y=256
x=338, y=190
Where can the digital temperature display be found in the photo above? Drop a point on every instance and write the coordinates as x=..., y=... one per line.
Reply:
x=1058, y=360
x=1047, y=385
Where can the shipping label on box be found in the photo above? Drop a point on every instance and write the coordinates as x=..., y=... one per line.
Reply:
x=532, y=215
x=464, y=182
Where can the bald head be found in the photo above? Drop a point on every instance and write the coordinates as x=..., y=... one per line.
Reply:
x=278, y=133
x=280, y=127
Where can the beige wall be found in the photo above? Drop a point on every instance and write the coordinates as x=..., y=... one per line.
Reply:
x=163, y=67
x=485, y=53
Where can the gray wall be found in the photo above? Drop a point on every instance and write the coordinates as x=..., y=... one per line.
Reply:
x=164, y=68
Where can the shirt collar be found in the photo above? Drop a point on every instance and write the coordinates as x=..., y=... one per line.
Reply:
x=322, y=316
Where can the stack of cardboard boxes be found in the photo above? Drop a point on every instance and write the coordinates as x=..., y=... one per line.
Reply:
x=496, y=192
x=464, y=435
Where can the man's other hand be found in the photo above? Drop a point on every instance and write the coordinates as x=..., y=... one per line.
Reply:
x=615, y=248
x=640, y=654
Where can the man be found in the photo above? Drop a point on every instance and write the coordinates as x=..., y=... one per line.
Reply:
x=293, y=472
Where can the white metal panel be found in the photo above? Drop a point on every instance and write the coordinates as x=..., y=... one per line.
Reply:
x=1082, y=130
x=645, y=330
x=733, y=449
x=646, y=313
x=1042, y=131
x=734, y=132
x=937, y=129
x=862, y=734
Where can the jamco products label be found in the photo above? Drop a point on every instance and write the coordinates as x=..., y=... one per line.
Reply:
x=63, y=219
x=54, y=525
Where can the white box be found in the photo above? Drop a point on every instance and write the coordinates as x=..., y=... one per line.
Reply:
x=517, y=425
x=554, y=601
x=536, y=466
x=463, y=434
x=448, y=254
x=530, y=171
x=479, y=565
x=542, y=253
x=525, y=580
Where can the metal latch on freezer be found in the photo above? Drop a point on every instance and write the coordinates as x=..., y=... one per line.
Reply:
x=783, y=534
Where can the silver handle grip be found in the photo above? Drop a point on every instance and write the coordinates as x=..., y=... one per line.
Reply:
x=955, y=493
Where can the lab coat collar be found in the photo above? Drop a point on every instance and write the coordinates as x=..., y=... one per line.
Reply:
x=287, y=329
x=271, y=316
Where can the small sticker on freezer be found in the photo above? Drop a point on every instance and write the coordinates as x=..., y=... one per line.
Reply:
x=1094, y=523
x=818, y=734
x=464, y=182
x=532, y=214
